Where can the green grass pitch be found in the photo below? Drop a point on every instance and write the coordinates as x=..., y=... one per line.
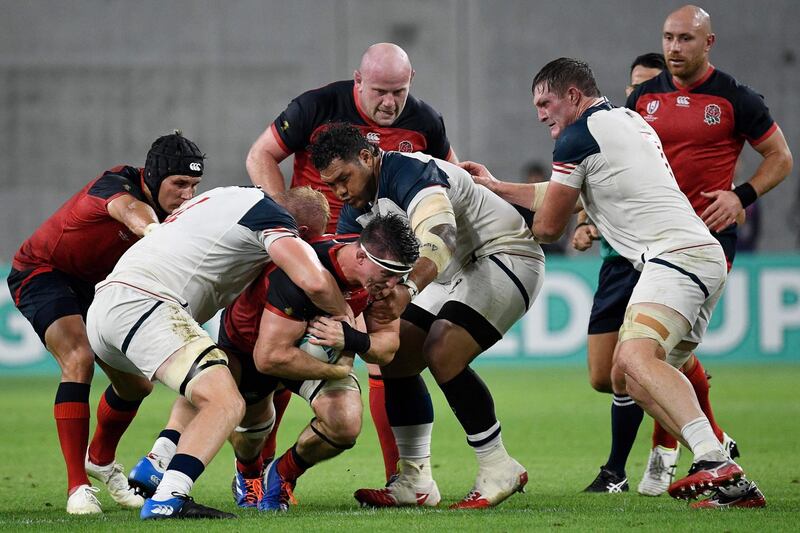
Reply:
x=553, y=423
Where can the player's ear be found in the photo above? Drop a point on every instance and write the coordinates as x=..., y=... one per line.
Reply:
x=357, y=77
x=303, y=231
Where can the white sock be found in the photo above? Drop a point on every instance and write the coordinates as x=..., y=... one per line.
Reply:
x=164, y=449
x=701, y=439
x=173, y=481
x=491, y=450
x=413, y=442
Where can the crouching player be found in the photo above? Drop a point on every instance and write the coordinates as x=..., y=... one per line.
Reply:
x=260, y=332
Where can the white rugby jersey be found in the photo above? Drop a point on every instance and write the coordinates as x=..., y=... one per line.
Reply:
x=207, y=251
x=627, y=186
x=485, y=223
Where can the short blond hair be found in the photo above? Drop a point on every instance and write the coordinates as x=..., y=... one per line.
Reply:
x=308, y=206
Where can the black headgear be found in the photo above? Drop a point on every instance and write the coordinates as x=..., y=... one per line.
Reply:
x=168, y=156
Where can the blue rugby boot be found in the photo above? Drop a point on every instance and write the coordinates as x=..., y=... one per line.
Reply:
x=179, y=506
x=146, y=475
x=277, y=492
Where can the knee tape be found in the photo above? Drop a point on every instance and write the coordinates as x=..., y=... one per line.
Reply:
x=190, y=362
x=652, y=323
x=258, y=431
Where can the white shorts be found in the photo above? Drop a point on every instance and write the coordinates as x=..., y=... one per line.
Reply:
x=486, y=297
x=136, y=333
x=689, y=281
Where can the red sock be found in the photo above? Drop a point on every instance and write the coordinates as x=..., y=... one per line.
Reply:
x=71, y=412
x=377, y=408
x=114, y=415
x=250, y=470
x=280, y=400
x=291, y=466
x=697, y=377
x=661, y=437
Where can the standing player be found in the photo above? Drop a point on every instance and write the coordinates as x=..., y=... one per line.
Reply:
x=703, y=116
x=146, y=315
x=479, y=271
x=52, y=282
x=378, y=103
x=617, y=279
x=613, y=161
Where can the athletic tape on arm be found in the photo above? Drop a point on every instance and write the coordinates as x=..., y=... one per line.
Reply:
x=431, y=211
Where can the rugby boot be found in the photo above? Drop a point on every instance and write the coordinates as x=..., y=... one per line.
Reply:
x=277, y=493
x=112, y=476
x=743, y=493
x=146, y=475
x=412, y=486
x=660, y=471
x=179, y=506
x=83, y=501
x=706, y=475
x=608, y=482
x=495, y=483
x=247, y=491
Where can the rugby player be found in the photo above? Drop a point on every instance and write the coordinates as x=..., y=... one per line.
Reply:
x=52, y=282
x=614, y=162
x=146, y=315
x=479, y=271
x=376, y=101
x=703, y=117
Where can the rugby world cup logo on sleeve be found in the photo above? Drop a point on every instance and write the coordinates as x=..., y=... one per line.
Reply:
x=652, y=107
x=713, y=114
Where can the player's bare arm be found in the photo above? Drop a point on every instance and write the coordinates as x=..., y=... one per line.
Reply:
x=557, y=207
x=275, y=352
x=135, y=214
x=262, y=162
x=299, y=261
x=775, y=166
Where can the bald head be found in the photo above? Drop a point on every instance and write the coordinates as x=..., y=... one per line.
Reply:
x=693, y=16
x=687, y=39
x=382, y=82
x=385, y=59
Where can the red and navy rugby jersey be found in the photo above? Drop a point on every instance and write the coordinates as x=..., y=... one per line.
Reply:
x=81, y=238
x=274, y=291
x=703, y=127
x=419, y=128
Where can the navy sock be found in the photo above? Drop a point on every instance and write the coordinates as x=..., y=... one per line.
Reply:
x=472, y=403
x=626, y=417
x=408, y=402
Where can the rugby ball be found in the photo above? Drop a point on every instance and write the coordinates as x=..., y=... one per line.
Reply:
x=326, y=354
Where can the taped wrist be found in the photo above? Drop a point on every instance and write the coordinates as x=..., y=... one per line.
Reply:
x=355, y=341
x=746, y=193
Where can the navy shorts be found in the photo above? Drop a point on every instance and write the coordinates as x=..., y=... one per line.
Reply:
x=44, y=297
x=614, y=287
